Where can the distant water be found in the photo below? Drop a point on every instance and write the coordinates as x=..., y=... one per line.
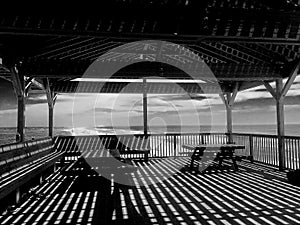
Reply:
x=7, y=135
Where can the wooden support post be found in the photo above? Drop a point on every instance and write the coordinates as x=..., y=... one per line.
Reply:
x=50, y=121
x=51, y=98
x=229, y=119
x=19, y=87
x=251, y=148
x=20, y=137
x=280, y=124
x=229, y=101
x=279, y=94
x=145, y=110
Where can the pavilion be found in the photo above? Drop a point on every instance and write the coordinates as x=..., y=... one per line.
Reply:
x=244, y=43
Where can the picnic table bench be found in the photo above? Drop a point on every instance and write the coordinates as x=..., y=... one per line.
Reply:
x=215, y=153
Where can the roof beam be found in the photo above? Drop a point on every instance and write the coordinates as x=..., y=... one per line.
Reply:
x=220, y=71
x=137, y=87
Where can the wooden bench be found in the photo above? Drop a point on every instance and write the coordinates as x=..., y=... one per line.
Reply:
x=21, y=162
x=132, y=145
x=129, y=146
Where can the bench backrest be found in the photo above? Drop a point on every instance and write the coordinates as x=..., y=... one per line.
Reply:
x=79, y=144
x=127, y=143
x=16, y=155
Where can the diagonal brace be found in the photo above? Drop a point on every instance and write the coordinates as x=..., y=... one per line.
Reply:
x=51, y=96
x=279, y=94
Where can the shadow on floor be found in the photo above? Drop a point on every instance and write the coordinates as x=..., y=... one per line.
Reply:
x=244, y=197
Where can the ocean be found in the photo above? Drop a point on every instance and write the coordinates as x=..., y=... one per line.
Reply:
x=8, y=134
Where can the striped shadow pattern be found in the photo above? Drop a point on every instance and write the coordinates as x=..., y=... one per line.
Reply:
x=244, y=197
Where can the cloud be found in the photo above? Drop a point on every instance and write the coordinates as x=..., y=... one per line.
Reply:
x=264, y=104
x=110, y=110
x=183, y=97
x=106, y=110
x=103, y=110
x=261, y=90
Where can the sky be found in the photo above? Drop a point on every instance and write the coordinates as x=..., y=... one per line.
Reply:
x=253, y=106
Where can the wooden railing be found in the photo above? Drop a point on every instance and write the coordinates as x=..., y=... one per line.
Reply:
x=166, y=145
x=263, y=148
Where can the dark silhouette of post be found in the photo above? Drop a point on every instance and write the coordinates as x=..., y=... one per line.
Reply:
x=19, y=87
x=145, y=110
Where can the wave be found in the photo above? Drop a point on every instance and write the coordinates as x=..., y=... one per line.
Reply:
x=78, y=131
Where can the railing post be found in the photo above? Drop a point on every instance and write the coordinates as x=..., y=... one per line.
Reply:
x=175, y=145
x=251, y=148
x=202, y=139
x=145, y=110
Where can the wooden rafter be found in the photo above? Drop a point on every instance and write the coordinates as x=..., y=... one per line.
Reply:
x=223, y=24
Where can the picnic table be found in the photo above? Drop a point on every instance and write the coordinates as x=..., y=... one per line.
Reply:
x=208, y=153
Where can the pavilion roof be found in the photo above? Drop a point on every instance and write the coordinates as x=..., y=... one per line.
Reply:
x=245, y=41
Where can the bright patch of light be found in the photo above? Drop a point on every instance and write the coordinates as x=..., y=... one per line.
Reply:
x=137, y=80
